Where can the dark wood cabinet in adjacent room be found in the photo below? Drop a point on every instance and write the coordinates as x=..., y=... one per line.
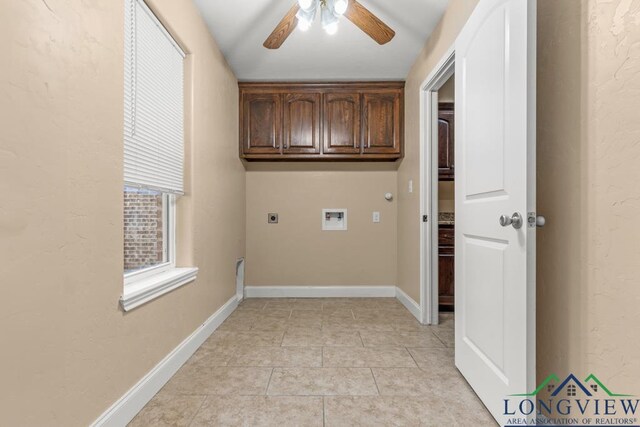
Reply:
x=446, y=140
x=446, y=267
x=322, y=121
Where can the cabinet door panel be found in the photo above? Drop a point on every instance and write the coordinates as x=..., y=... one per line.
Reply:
x=342, y=123
x=446, y=279
x=381, y=122
x=262, y=123
x=446, y=129
x=301, y=126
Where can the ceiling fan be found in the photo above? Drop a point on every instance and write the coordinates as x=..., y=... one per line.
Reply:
x=303, y=13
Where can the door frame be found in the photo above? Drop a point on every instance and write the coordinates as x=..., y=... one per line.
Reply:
x=429, y=186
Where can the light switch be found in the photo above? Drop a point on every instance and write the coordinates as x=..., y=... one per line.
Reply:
x=376, y=217
x=410, y=186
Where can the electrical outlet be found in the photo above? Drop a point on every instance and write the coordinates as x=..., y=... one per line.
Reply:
x=376, y=217
x=272, y=218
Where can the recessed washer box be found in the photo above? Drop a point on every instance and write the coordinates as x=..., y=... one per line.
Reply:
x=334, y=219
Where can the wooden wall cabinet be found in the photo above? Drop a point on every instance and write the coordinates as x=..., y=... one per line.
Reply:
x=341, y=123
x=381, y=122
x=301, y=123
x=261, y=123
x=446, y=267
x=321, y=121
x=446, y=141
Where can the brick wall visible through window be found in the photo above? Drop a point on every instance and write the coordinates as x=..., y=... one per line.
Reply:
x=143, y=229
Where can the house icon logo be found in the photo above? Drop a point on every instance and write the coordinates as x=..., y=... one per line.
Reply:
x=584, y=402
x=572, y=386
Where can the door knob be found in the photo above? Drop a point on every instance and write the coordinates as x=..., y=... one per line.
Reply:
x=514, y=220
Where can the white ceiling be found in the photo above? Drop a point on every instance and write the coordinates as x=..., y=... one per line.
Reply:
x=241, y=26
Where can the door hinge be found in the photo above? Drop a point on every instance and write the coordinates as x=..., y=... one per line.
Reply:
x=425, y=218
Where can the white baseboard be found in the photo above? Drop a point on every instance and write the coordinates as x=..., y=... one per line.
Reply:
x=409, y=303
x=123, y=411
x=319, y=291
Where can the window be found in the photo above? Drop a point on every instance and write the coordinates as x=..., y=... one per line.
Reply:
x=147, y=214
x=153, y=156
x=571, y=390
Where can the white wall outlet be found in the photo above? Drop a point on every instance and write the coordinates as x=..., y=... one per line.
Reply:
x=376, y=217
x=410, y=186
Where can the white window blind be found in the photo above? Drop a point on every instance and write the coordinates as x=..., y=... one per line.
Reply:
x=154, y=103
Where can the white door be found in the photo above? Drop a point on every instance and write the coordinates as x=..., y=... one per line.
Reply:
x=495, y=175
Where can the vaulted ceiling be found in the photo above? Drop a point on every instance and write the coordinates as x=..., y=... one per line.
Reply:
x=241, y=26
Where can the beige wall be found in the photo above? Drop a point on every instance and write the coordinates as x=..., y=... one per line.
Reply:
x=446, y=196
x=296, y=251
x=68, y=351
x=409, y=203
x=588, y=158
x=447, y=92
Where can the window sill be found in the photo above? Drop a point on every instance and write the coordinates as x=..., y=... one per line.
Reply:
x=144, y=290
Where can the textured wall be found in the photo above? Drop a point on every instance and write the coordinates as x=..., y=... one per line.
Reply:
x=588, y=157
x=296, y=251
x=68, y=351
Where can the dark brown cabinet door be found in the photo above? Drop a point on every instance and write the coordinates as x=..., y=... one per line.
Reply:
x=446, y=141
x=261, y=123
x=301, y=123
x=446, y=270
x=341, y=123
x=381, y=122
x=446, y=267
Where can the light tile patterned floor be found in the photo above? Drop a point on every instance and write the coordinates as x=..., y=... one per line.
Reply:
x=320, y=362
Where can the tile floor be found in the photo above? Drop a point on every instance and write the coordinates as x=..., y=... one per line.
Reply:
x=320, y=362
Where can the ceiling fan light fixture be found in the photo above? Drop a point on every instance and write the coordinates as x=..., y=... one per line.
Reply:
x=306, y=17
x=305, y=4
x=329, y=18
x=340, y=6
x=303, y=25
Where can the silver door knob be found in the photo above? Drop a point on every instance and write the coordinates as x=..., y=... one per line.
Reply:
x=514, y=220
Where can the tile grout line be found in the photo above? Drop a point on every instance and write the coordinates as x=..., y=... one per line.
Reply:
x=266, y=391
x=438, y=338
x=414, y=359
x=206, y=396
x=375, y=381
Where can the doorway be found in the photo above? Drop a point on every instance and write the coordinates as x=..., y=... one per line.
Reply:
x=437, y=176
x=446, y=198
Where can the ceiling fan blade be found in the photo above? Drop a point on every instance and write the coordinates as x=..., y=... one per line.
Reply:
x=283, y=29
x=369, y=23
